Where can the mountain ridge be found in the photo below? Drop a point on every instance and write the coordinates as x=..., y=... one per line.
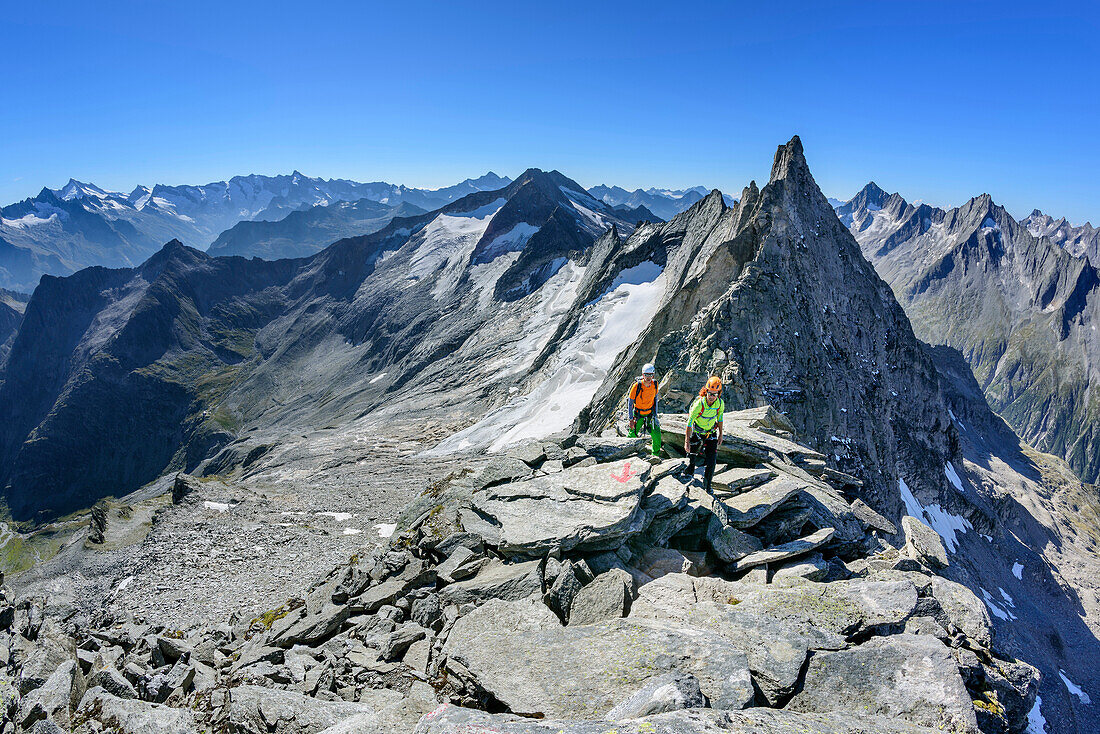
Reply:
x=1033, y=350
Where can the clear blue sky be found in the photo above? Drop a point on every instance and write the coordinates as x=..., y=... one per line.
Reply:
x=937, y=100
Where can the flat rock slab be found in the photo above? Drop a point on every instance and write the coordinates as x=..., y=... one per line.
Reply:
x=450, y=719
x=732, y=450
x=828, y=509
x=520, y=654
x=786, y=550
x=401, y=716
x=663, y=505
x=258, y=709
x=498, y=470
x=606, y=597
x=776, y=627
x=811, y=568
x=872, y=519
x=765, y=417
x=730, y=544
x=127, y=716
x=737, y=431
x=739, y=478
x=924, y=544
x=582, y=508
x=657, y=562
x=963, y=609
x=612, y=448
x=508, y=581
x=748, y=508
x=911, y=677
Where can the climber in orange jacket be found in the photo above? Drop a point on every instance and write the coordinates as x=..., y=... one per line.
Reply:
x=641, y=405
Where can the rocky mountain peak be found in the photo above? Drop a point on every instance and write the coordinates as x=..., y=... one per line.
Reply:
x=173, y=251
x=47, y=196
x=790, y=160
x=768, y=289
x=872, y=193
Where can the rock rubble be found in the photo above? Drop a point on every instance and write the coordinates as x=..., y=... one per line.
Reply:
x=526, y=600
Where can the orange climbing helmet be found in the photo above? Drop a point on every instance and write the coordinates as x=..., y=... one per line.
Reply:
x=714, y=383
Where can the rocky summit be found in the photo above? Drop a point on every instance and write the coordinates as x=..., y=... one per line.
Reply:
x=389, y=487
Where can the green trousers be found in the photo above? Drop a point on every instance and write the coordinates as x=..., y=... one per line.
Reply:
x=648, y=423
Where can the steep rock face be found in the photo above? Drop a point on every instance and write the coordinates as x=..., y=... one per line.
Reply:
x=1034, y=565
x=1020, y=308
x=12, y=306
x=775, y=297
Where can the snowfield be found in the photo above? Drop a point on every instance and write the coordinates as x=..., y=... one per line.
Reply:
x=571, y=380
x=445, y=246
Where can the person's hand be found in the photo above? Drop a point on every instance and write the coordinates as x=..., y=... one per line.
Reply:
x=632, y=422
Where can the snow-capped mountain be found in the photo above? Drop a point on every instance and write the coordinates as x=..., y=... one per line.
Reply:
x=665, y=203
x=1080, y=241
x=81, y=224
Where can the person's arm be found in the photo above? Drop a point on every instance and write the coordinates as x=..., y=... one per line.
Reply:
x=692, y=414
x=630, y=405
x=721, y=421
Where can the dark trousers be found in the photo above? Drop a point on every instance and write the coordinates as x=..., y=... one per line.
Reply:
x=707, y=448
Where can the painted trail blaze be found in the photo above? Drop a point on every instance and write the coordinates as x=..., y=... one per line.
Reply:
x=628, y=472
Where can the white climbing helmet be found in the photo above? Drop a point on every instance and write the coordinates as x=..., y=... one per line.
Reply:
x=649, y=369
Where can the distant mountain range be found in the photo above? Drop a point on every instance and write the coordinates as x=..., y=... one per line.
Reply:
x=1079, y=241
x=1021, y=306
x=60, y=231
x=305, y=232
x=665, y=203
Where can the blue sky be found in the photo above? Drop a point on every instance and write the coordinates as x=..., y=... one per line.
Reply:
x=940, y=101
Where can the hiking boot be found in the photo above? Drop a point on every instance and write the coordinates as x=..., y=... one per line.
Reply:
x=653, y=459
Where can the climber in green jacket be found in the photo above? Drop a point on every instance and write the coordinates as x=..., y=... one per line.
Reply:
x=704, y=430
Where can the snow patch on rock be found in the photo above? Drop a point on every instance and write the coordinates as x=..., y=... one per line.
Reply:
x=1074, y=688
x=1036, y=723
x=943, y=522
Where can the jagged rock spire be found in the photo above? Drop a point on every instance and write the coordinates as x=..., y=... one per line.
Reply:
x=789, y=160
